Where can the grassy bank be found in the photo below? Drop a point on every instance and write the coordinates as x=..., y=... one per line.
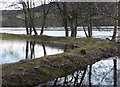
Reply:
x=40, y=70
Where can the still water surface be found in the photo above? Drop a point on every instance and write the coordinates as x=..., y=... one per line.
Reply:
x=16, y=50
x=59, y=32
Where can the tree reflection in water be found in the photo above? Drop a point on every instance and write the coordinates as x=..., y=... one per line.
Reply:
x=89, y=77
x=115, y=72
x=30, y=48
x=27, y=46
x=45, y=53
x=17, y=50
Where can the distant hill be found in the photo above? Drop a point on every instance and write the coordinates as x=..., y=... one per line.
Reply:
x=14, y=18
x=5, y=12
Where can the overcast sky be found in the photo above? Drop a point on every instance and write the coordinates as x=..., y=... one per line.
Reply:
x=4, y=4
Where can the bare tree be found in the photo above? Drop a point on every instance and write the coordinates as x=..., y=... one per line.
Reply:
x=113, y=14
x=63, y=13
x=26, y=17
x=69, y=14
x=45, y=11
x=29, y=16
x=88, y=13
x=73, y=18
x=115, y=23
x=90, y=20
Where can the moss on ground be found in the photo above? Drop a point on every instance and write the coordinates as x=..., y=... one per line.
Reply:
x=35, y=71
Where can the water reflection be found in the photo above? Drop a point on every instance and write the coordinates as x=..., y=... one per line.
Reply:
x=16, y=50
x=115, y=72
x=105, y=72
x=30, y=45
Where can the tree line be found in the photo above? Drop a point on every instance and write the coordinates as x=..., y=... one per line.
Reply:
x=72, y=15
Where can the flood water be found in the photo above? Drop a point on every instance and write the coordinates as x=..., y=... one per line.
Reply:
x=102, y=73
x=106, y=33
x=16, y=50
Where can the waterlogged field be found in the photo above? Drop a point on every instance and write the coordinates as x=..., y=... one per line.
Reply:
x=97, y=33
x=99, y=73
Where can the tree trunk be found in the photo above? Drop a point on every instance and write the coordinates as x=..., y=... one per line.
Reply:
x=45, y=13
x=66, y=30
x=76, y=24
x=85, y=31
x=66, y=27
x=72, y=28
x=63, y=13
x=42, y=29
x=76, y=18
x=115, y=28
x=26, y=18
x=43, y=25
x=90, y=28
x=31, y=19
x=32, y=22
x=65, y=20
x=34, y=29
x=30, y=29
x=115, y=24
x=26, y=25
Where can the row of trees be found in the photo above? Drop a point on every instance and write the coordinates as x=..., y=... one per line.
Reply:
x=29, y=15
x=72, y=14
x=89, y=14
